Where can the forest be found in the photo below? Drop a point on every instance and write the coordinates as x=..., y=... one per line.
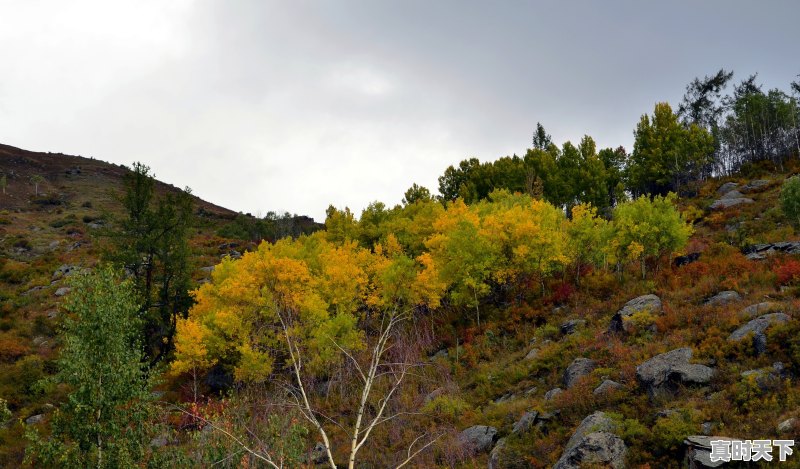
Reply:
x=464, y=328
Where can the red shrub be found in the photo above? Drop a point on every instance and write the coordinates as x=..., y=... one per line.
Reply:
x=787, y=272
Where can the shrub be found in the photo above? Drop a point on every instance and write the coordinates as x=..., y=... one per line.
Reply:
x=787, y=272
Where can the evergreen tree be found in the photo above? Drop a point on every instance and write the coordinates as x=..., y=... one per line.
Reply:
x=152, y=246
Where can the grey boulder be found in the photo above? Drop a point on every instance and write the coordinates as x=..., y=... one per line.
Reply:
x=722, y=204
x=593, y=443
x=645, y=303
x=477, y=438
x=663, y=373
x=607, y=386
x=579, y=368
x=757, y=327
x=723, y=298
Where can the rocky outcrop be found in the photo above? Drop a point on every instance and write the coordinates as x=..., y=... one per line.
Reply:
x=698, y=451
x=496, y=456
x=65, y=270
x=761, y=251
x=645, y=303
x=727, y=187
x=579, y=368
x=767, y=379
x=755, y=185
x=663, y=373
x=607, y=386
x=788, y=425
x=477, y=438
x=63, y=291
x=722, y=204
x=756, y=327
x=759, y=309
x=593, y=443
x=723, y=298
x=734, y=194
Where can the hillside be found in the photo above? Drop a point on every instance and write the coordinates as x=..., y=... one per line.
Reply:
x=47, y=237
x=614, y=369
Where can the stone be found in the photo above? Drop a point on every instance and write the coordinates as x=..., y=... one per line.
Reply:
x=579, y=368
x=734, y=194
x=727, y=187
x=477, y=438
x=65, y=270
x=687, y=259
x=754, y=256
x=593, y=443
x=318, y=454
x=698, y=450
x=532, y=354
x=787, y=425
x=767, y=378
x=525, y=422
x=551, y=394
x=52, y=314
x=722, y=204
x=207, y=269
x=63, y=291
x=496, y=456
x=756, y=327
x=571, y=326
x=39, y=341
x=509, y=396
x=607, y=386
x=756, y=185
x=706, y=428
x=441, y=354
x=768, y=249
x=723, y=298
x=663, y=373
x=34, y=419
x=758, y=309
x=645, y=303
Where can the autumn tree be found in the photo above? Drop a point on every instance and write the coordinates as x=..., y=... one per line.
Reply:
x=104, y=421
x=287, y=312
x=646, y=229
x=585, y=237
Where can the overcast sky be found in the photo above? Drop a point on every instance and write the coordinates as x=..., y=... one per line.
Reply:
x=296, y=105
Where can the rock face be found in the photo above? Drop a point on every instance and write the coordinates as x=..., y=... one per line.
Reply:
x=606, y=386
x=579, y=368
x=722, y=204
x=767, y=378
x=593, y=443
x=645, y=303
x=663, y=373
x=534, y=352
x=757, y=327
x=723, y=298
x=698, y=451
x=63, y=291
x=478, y=438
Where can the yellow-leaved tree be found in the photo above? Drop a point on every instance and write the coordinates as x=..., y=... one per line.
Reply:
x=286, y=313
